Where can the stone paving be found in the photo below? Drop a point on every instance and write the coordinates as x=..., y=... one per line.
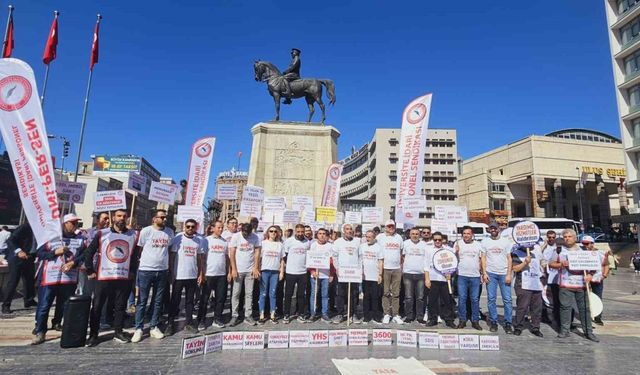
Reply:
x=527, y=354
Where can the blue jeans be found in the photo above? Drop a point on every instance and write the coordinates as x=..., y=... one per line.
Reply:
x=268, y=283
x=46, y=294
x=323, y=285
x=468, y=287
x=496, y=280
x=147, y=280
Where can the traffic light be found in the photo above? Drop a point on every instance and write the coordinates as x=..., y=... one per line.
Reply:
x=65, y=150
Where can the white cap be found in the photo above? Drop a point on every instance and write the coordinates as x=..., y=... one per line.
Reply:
x=390, y=222
x=70, y=217
x=587, y=239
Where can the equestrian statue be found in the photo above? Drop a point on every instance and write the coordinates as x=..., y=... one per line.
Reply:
x=289, y=85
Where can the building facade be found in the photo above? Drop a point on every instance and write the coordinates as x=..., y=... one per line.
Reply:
x=231, y=208
x=623, y=20
x=574, y=173
x=370, y=174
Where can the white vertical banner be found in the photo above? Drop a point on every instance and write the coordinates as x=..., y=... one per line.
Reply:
x=331, y=193
x=415, y=122
x=199, y=168
x=25, y=137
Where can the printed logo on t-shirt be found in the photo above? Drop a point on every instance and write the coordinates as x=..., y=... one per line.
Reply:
x=189, y=251
x=159, y=242
x=216, y=248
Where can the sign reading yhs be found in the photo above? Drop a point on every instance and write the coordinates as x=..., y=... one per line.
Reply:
x=25, y=136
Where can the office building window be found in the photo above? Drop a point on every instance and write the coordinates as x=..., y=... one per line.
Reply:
x=625, y=5
x=630, y=31
x=632, y=63
x=634, y=96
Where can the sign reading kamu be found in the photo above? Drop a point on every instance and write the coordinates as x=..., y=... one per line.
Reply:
x=611, y=172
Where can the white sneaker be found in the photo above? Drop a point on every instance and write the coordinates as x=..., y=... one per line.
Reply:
x=386, y=319
x=398, y=320
x=137, y=336
x=440, y=320
x=156, y=333
x=426, y=317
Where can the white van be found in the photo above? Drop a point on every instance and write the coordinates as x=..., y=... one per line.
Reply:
x=480, y=231
x=547, y=223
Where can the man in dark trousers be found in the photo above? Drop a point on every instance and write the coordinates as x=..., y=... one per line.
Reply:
x=20, y=255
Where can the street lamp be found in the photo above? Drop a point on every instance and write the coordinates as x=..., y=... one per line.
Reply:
x=580, y=199
x=65, y=148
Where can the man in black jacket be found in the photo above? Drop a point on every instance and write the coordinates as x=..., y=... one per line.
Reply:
x=20, y=254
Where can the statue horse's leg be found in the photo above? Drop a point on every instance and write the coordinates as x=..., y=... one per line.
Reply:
x=276, y=102
x=321, y=104
x=309, y=100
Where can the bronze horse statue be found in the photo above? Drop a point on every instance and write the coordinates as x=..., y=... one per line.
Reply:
x=309, y=88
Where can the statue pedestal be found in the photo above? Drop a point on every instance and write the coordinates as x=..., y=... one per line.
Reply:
x=291, y=158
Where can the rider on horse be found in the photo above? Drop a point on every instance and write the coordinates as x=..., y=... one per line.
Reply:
x=291, y=74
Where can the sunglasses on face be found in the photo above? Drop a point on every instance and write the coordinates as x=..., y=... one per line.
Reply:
x=190, y=226
x=437, y=239
x=273, y=231
x=161, y=217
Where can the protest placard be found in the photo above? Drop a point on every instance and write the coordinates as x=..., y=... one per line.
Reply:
x=338, y=338
x=526, y=233
x=298, y=339
x=350, y=274
x=381, y=337
x=318, y=259
x=352, y=217
x=253, y=340
x=449, y=342
x=372, y=215
x=318, y=339
x=469, y=342
x=71, y=192
x=109, y=200
x=214, y=343
x=489, y=343
x=407, y=338
x=278, y=340
x=232, y=340
x=227, y=192
x=584, y=260
x=163, y=193
x=358, y=337
x=193, y=346
x=302, y=203
x=326, y=214
x=290, y=217
x=137, y=183
x=428, y=340
x=189, y=212
x=274, y=204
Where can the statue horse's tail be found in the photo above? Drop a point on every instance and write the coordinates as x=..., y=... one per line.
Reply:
x=331, y=90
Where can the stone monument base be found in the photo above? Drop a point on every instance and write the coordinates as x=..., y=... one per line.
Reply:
x=291, y=158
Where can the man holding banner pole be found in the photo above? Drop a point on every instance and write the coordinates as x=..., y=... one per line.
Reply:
x=348, y=264
x=321, y=277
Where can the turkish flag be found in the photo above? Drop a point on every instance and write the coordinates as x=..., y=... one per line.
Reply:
x=8, y=43
x=52, y=43
x=94, y=47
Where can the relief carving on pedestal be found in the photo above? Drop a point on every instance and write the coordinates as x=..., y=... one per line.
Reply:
x=291, y=187
x=293, y=162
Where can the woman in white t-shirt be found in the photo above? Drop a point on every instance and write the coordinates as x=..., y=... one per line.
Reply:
x=272, y=270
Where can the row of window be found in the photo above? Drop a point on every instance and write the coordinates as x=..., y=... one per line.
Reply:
x=430, y=161
x=428, y=179
x=630, y=31
x=625, y=5
x=430, y=142
x=433, y=197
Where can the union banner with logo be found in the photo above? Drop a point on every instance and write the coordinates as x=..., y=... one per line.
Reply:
x=415, y=122
x=199, y=169
x=25, y=136
x=331, y=193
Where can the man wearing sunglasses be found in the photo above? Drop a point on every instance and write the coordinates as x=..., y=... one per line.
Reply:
x=232, y=228
x=244, y=251
x=153, y=272
x=440, y=301
x=186, y=265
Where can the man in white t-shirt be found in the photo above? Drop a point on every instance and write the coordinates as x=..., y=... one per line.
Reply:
x=186, y=265
x=440, y=301
x=218, y=275
x=391, y=244
x=469, y=271
x=550, y=254
x=320, y=277
x=153, y=272
x=244, y=251
x=497, y=266
x=296, y=248
x=346, y=254
x=232, y=228
x=413, y=255
x=371, y=255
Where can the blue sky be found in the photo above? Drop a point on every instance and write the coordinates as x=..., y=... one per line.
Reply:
x=171, y=72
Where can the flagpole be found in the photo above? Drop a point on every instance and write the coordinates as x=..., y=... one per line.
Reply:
x=46, y=73
x=84, y=116
x=6, y=31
